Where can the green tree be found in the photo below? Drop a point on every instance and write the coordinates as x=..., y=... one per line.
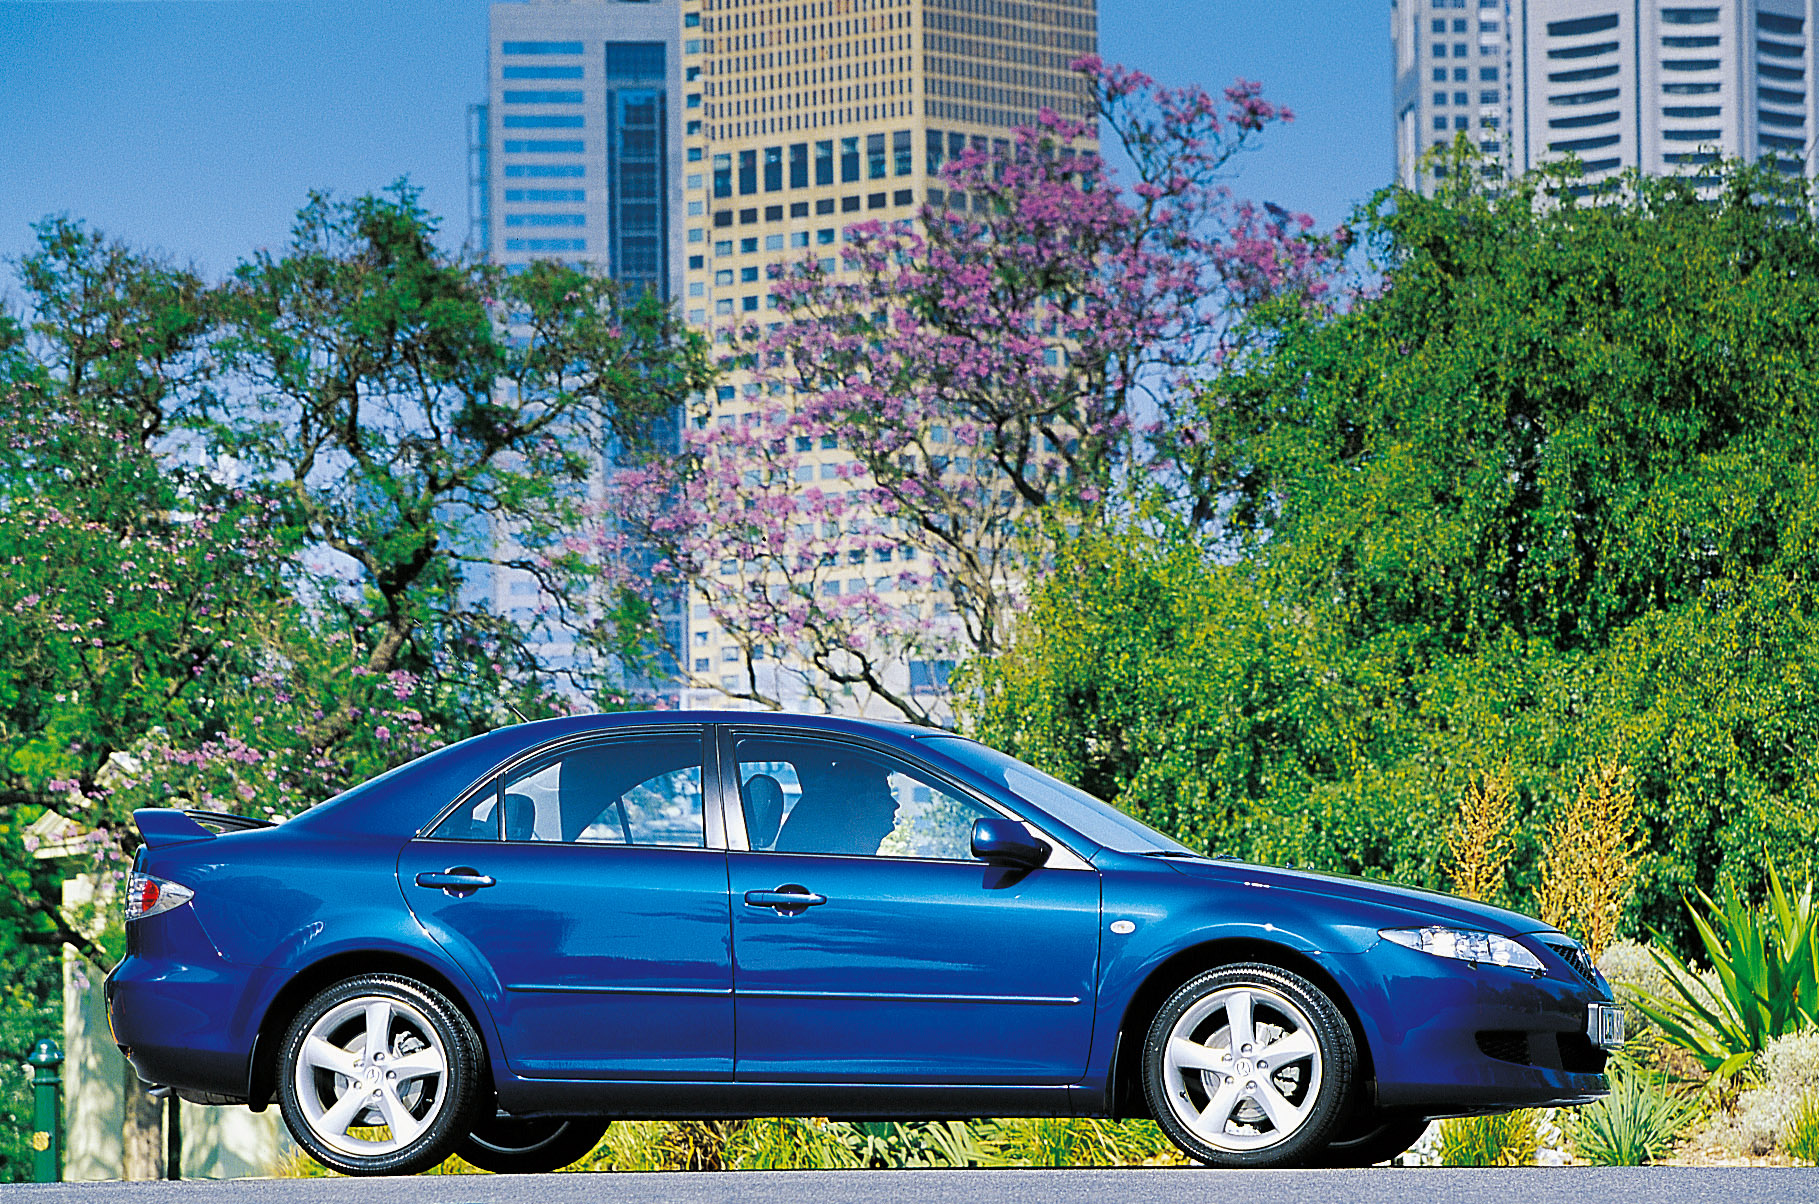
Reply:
x=1544, y=494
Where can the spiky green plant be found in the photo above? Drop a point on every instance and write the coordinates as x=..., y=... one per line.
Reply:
x=1767, y=965
x=1639, y=1122
x=1505, y=1139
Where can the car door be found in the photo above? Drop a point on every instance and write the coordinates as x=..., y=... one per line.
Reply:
x=870, y=946
x=585, y=890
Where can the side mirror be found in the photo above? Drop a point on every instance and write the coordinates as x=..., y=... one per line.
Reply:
x=1001, y=841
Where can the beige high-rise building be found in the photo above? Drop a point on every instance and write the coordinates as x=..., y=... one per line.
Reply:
x=771, y=126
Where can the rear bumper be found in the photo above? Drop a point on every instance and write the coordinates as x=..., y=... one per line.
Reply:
x=184, y=1016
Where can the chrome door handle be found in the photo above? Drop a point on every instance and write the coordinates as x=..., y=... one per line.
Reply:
x=785, y=898
x=458, y=881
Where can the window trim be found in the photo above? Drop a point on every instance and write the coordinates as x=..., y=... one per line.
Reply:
x=1064, y=853
x=712, y=813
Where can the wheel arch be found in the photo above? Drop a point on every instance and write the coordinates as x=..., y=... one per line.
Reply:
x=262, y=1082
x=1125, y=1090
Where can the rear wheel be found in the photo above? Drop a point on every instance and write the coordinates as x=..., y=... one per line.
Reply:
x=379, y=1075
x=510, y=1145
x=1248, y=1066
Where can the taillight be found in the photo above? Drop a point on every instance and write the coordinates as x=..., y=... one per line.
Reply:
x=149, y=896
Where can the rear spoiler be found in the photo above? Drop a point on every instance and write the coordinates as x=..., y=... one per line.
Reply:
x=161, y=826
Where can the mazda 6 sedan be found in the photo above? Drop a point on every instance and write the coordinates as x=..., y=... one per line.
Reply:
x=504, y=945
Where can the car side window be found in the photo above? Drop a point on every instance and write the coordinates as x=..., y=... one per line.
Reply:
x=805, y=796
x=476, y=819
x=623, y=792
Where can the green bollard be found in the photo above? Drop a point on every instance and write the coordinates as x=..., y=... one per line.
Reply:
x=47, y=1115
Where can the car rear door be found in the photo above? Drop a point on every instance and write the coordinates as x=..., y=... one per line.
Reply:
x=585, y=889
x=875, y=949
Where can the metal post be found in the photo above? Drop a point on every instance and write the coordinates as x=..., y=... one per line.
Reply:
x=47, y=1114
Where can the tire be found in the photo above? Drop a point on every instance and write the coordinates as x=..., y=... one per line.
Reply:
x=1216, y=1099
x=333, y=1076
x=509, y=1145
x=1370, y=1138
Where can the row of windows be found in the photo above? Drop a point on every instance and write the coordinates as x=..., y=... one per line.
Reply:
x=1487, y=24
x=546, y=244
x=1486, y=75
x=1461, y=50
x=880, y=156
x=544, y=121
x=1462, y=98
x=545, y=171
x=1580, y=26
x=542, y=98
x=515, y=146
x=546, y=219
x=848, y=204
x=542, y=72
x=547, y=195
x=1049, y=38
x=540, y=48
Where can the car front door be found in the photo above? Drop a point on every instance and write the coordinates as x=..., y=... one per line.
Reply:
x=871, y=947
x=585, y=890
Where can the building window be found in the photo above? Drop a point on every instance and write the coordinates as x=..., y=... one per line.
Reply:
x=545, y=171
x=542, y=98
x=798, y=165
x=773, y=169
x=748, y=172
x=515, y=147
x=547, y=195
x=541, y=73
x=1676, y=16
x=748, y=246
x=1580, y=26
x=546, y=244
x=824, y=163
x=903, y=150
x=849, y=160
x=546, y=219
x=543, y=121
x=1488, y=75
x=540, y=48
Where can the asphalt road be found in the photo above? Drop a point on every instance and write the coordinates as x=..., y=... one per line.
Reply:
x=1545, y=1185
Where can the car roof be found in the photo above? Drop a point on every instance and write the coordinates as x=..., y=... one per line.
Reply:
x=403, y=799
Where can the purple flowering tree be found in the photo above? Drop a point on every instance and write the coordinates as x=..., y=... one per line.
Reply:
x=923, y=419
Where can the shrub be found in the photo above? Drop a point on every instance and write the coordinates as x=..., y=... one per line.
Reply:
x=1767, y=967
x=1506, y=1139
x=1479, y=841
x=1591, y=858
x=1767, y=1115
x=1641, y=1120
x=1802, y=1140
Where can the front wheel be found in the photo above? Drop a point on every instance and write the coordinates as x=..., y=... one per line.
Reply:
x=1248, y=1065
x=510, y=1145
x=379, y=1075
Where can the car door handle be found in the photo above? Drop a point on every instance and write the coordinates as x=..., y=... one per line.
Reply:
x=458, y=879
x=785, y=899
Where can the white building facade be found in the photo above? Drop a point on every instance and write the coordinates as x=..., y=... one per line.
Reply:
x=1664, y=85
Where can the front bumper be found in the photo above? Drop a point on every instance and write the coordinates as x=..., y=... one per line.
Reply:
x=1447, y=1036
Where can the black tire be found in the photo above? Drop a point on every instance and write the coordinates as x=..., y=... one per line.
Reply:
x=1370, y=1138
x=1214, y=1097
x=329, y=1061
x=509, y=1145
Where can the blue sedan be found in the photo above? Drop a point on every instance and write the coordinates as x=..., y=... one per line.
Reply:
x=502, y=946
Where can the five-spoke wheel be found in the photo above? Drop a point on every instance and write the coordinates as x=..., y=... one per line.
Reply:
x=1248, y=1065
x=379, y=1076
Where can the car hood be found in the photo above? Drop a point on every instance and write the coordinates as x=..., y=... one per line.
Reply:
x=1422, y=905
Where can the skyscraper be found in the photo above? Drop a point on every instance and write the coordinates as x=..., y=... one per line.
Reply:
x=694, y=144
x=1663, y=85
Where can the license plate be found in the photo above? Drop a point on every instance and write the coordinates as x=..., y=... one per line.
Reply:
x=1604, y=1025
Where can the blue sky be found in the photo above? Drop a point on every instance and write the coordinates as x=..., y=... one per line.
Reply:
x=198, y=127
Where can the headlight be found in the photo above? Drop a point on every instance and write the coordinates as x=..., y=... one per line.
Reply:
x=1465, y=944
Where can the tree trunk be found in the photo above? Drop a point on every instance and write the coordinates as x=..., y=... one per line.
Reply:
x=142, y=1138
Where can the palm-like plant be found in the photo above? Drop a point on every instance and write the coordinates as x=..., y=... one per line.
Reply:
x=1767, y=966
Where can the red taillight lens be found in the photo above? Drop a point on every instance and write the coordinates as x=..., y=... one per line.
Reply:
x=149, y=896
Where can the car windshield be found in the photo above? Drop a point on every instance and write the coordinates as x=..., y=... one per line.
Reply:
x=1095, y=819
